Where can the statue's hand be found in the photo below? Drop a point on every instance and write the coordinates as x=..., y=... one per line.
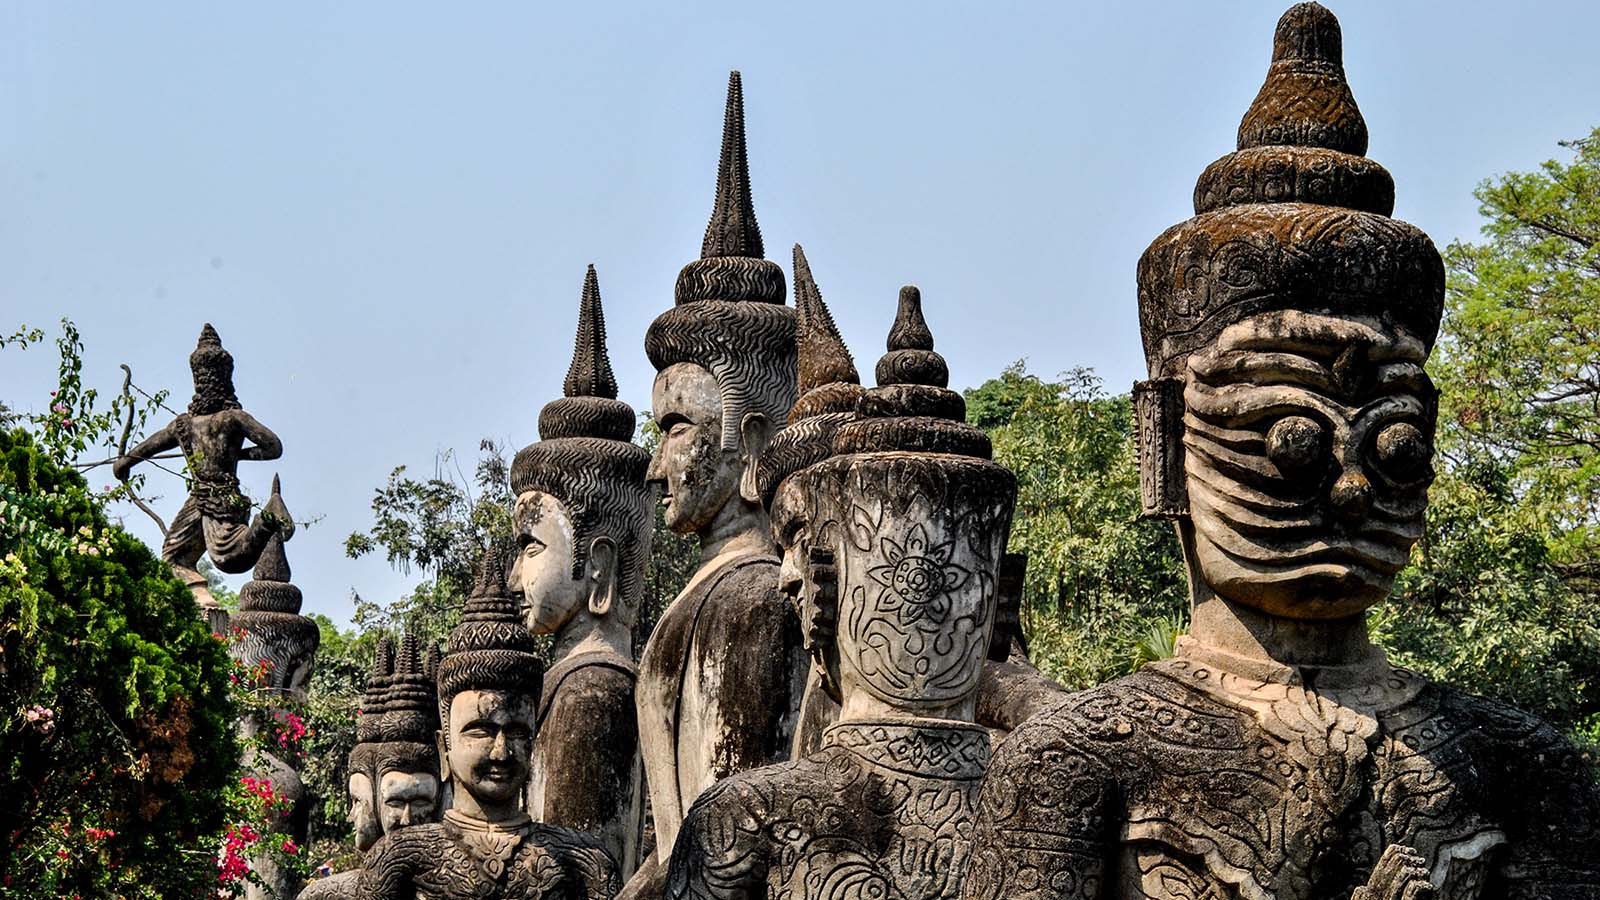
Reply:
x=1401, y=874
x=121, y=468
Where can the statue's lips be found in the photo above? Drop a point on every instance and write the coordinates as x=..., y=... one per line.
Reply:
x=497, y=773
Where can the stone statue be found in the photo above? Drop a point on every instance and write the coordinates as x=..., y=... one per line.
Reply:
x=405, y=759
x=1287, y=429
x=488, y=689
x=1011, y=688
x=271, y=633
x=725, y=357
x=215, y=519
x=583, y=519
x=892, y=549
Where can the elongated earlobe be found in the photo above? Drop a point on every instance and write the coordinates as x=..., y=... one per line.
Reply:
x=753, y=434
x=442, y=741
x=1158, y=430
x=602, y=582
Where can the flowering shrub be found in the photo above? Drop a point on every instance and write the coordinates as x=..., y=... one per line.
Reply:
x=116, y=746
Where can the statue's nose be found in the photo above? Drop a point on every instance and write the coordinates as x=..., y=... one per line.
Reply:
x=1351, y=496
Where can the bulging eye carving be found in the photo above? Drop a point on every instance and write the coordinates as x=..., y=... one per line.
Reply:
x=1297, y=445
x=1403, y=452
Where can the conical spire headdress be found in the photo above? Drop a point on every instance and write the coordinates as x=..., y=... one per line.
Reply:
x=409, y=716
x=1295, y=218
x=212, y=367
x=489, y=650
x=586, y=459
x=828, y=384
x=729, y=316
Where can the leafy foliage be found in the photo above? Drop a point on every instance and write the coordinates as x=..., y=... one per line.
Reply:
x=117, y=749
x=1099, y=578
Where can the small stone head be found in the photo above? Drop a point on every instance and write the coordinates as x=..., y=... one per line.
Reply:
x=583, y=512
x=1288, y=422
x=489, y=682
x=893, y=544
x=365, y=823
x=724, y=356
x=212, y=367
x=406, y=758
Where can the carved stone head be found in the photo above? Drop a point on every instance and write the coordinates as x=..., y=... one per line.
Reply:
x=583, y=511
x=406, y=758
x=1288, y=423
x=901, y=533
x=489, y=681
x=362, y=761
x=274, y=632
x=724, y=355
x=212, y=367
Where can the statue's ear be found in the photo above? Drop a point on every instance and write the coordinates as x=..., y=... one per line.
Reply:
x=601, y=575
x=753, y=435
x=822, y=586
x=1158, y=430
x=442, y=742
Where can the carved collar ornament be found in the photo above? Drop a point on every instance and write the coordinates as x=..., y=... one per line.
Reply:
x=729, y=316
x=489, y=650
x=586, y=458
x=927, y=748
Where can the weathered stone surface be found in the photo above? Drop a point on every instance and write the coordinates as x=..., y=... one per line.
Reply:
x=893, y=557
x=725, y=358
x=583, y=519
x=1287, y=430
x=215, y=519
x=488, y=690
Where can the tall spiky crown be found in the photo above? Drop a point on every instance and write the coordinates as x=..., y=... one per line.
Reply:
x=729, y=316
x=1296, y=218
x=829, y=388
x=410, y=715
x=212, y=367
x=912, y=409
x=489, y=650
x=587, y=460
x=369, y=725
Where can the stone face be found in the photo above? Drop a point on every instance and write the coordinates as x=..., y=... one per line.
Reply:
x=1287, y=430
x=892, y=554
x=488, y=690
x=215, y=519
x=725, y=358
x=583, y=519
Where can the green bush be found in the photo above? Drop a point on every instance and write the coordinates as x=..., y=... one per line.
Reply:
x=117, y=747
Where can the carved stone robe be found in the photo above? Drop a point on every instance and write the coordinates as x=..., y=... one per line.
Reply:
x=883, y=810
x=461, y=858
x=1209, y=776
x=720, y=685
x=586, y=770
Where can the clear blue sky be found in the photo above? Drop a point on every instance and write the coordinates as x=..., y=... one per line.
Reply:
x=386, y=208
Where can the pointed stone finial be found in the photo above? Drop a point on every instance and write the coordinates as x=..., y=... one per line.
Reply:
x=209, y=338
x=733, y=230
x=409, y=659
x=382, y=660
x=910, y=331
x=590, y=373
x=911, y=358
x=1305, y=100
x=823, y=357
x=430, y=662
x=489, y=584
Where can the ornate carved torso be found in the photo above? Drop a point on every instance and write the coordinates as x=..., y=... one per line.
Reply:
x=883, y=810
x=459, y=859
x=720, y=684
x=1197, y=779
x=585, y=773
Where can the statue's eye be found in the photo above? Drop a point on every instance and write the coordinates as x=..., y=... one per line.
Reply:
x=1298, y=446
x=1403, y=452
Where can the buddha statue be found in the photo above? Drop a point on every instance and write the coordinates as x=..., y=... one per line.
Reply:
x=486, y=846
x=1286, y=428
x=215, y=519
x=721, y=678
x=582, y=522
x=892, y=546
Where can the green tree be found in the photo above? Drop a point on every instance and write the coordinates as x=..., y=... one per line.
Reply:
x=1501, y=595
x=117, y=747
x=1101, y=583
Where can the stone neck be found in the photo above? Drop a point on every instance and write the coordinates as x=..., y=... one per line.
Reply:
x=861, y=706
x=739, y=528
x=467, y=822
x=588, y=633
x=933, y=748
x=505, y=816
